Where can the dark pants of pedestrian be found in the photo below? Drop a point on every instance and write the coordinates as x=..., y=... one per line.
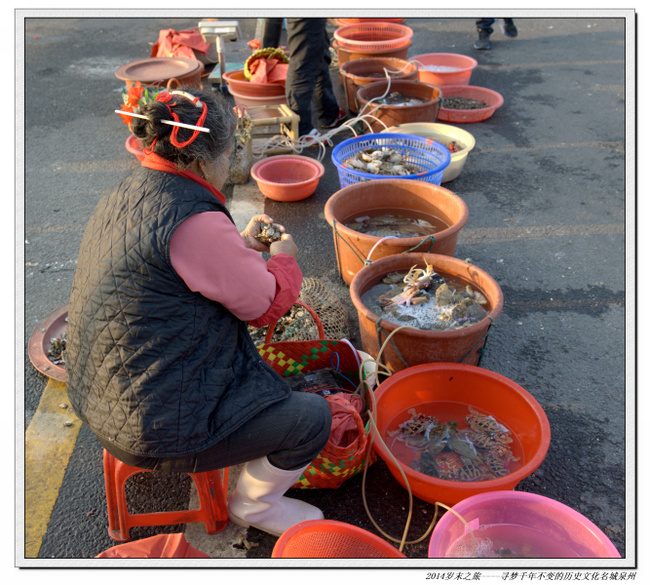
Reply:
x=486, y=24
x=308, y=77
x=271, y=32
x=291, y=433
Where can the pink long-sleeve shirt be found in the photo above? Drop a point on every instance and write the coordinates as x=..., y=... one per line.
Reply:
x=211, y=257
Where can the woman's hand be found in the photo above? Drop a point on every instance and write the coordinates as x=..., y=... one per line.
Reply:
x=284, y=246
x=253, y=228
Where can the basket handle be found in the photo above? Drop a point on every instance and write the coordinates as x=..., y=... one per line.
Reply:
x=319, y=323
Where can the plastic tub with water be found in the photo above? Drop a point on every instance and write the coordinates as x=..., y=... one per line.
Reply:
x=510, y=524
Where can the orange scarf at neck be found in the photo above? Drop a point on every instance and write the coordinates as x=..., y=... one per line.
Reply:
x=158, y=163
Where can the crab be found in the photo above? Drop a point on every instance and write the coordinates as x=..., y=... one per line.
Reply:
x=482, y=423
x=481, y=440
x=502, y=453
x=473, y=471
x=418, y=423
x=439, y=436
x=448, y=465
x=496, y=465
x=414, y=432
x=461, y=444
x=415, y=280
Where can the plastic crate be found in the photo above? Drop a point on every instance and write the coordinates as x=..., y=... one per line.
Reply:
x=430, y=156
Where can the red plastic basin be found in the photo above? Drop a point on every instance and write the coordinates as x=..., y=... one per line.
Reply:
x=492, y=98
x=483, y=389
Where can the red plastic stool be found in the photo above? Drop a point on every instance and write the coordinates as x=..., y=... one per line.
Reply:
x=212, y=487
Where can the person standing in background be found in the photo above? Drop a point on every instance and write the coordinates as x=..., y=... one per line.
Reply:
x=484, y=28
x=308, y=77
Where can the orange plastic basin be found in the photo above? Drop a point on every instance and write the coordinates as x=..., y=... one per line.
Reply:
x=487, y=392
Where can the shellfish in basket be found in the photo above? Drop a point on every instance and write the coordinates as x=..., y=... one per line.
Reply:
x=381, y=161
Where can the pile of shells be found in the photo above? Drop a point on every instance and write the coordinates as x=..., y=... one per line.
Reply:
x=462, y=103
x=56, y=351
x=295, y=325
x=380, y=161
x=269, y=234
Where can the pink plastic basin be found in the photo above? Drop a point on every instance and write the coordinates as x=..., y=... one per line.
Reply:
x=288, y=177
x=462, y=64
x=518, y=524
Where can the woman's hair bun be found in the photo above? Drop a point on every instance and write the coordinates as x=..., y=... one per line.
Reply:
x=151, y=128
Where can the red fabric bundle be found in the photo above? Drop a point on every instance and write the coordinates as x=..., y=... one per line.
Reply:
x=268, y=70
x=181, y=44
x=345, y=428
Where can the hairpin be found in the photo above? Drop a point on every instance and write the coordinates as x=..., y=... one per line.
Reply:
x=169, y=122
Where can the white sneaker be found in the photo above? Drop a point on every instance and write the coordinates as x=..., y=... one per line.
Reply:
x=315, y=138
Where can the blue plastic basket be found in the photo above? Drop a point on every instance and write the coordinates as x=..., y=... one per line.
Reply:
x=431, y=157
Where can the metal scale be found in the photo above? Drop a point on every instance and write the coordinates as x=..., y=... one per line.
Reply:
x=215, y=31
x=267, y=120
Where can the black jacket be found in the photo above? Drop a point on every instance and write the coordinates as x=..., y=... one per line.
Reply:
x=152, y=367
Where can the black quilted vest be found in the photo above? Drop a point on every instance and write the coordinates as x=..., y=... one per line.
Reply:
x=153, y=367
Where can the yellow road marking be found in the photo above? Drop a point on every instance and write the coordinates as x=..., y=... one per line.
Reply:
x=49, y=441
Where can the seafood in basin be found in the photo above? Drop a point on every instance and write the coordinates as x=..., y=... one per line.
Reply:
x=426, y=300
x=395, y=98
x=450, y=452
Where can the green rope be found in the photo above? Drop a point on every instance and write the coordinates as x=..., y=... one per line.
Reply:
x=431, y=239
x=379, y=343
x=367, y=261
x=336, y=239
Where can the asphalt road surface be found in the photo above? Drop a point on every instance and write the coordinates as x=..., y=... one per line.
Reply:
x=548, y=217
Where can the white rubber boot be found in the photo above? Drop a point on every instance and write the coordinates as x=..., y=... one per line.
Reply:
x=258, y=499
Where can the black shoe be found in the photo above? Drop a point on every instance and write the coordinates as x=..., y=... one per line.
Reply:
x=482, y=42
x=508, y=27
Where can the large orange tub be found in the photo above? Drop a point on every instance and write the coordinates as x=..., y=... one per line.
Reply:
x=484, y=390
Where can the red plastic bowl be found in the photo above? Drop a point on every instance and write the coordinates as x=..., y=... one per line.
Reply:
x=492, y=98
x=289, y=177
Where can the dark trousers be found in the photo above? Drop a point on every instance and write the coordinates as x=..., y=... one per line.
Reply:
x=271, y=32
x=486, y=24
x=291, y=433
x=308, y=77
